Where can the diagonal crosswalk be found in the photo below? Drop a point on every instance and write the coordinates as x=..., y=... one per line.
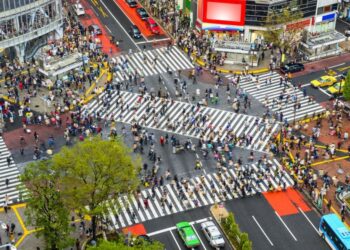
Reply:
x=268, y=91
x=8, y=193
x=150, y=62
x=183, y=118
x=196, y=192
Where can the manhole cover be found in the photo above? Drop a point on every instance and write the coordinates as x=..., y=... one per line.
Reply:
x=37, y=106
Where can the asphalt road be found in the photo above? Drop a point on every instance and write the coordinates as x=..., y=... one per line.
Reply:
x=116, y=22
x=254, y=216
x=319, y=95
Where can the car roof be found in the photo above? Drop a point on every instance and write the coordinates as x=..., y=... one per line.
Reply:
x=79, y=5
x=183, y=224
x=94, y=25
x=150, y=20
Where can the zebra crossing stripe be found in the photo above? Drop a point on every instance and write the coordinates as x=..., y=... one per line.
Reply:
x=172, y=58
x=124, y=211
x=217, y=119
x=273, y=91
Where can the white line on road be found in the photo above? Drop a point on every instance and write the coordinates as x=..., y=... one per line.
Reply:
x=262, y=230
x=324, y=92
x=199, y=238
x=334, y=66
x=175, y=240
x=153, y=41
x=108, y=29
x=307, y=218
x=173, y=228
x=279, y=217
x=120, y=24
x=305, y=85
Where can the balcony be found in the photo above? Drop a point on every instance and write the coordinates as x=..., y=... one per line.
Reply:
x=16, y=40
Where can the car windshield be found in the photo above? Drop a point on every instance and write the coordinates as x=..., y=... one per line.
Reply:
x=287, y=67
x=217, y=237
x=323, y=80
x=191, y=237
x=136, y=31
x=153, y=25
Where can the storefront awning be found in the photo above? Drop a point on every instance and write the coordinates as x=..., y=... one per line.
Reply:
x=322, y=40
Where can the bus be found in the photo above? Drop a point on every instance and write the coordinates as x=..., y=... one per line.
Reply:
x=334, y=232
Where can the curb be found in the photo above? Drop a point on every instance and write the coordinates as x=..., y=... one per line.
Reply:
x=222, y=230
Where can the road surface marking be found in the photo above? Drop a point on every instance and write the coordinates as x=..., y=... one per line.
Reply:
x=324, y=92
x=153, y=41
x=279, y=217
x=262, y=230
x=307, y=218
x=127, y=33
x=175, y=240
x=341, y=64
x=108, y=29
x=173, y=228
x=199, y=238
x=305, y=85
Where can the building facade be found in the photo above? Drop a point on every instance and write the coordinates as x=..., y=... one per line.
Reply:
x=26, y=25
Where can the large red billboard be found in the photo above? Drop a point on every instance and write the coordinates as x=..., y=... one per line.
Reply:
x=229, y=12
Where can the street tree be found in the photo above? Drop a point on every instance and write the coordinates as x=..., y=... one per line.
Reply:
x=139, y=244
x=93, y=172
x=45, y=209
x=346, y=90
x=286, y=40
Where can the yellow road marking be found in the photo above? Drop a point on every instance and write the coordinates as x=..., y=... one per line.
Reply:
x=343, y=68
x=330, y=160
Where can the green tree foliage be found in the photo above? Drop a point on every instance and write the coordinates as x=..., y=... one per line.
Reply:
x=236, y=237
x=286, y=40
x=45, y=209
x=346, y=91
x=120, y=245
x=94, y=171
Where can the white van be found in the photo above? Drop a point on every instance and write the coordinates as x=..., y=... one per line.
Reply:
x=79, y=9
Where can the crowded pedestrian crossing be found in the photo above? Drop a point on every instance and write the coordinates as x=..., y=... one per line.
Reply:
x=281, y=97
x=182, y=118
x=9, y=177
x=174, y=197
x=150, y=62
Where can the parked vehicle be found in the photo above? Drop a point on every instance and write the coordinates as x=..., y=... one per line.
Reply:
x=79, y=9
x=131, y=3
x=213, y=234
x=135, y=32
x=142, y=13
x=187, y=234
x=152, y=25
x=292, y=68
x=95, y=29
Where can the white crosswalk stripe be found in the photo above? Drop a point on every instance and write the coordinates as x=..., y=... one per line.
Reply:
x=8, y=193
x=221, y=121
x=201, y=191
x=151, y=62
x=273, y=91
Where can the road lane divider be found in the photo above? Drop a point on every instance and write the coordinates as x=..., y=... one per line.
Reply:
x=285, y=225
x=308, y=219
x=173, y=228
x=262, y=230
x=177, y=243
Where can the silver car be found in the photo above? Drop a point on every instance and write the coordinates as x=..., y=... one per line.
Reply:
x=213, y=234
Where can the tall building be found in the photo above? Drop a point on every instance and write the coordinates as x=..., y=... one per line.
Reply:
x=26, y=25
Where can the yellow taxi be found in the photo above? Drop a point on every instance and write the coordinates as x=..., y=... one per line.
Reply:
x=324, y=81
x=337, y=88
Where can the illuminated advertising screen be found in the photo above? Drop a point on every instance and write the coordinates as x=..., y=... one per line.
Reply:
x=229, y=12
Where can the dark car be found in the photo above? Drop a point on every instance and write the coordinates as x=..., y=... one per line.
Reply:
x=142, y=13
x=292, y=68
x=131, y=3
x=95, y=29
x=135, y=32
